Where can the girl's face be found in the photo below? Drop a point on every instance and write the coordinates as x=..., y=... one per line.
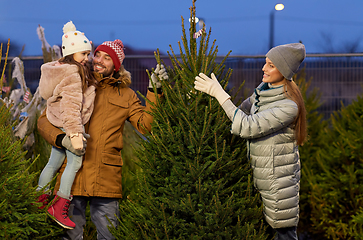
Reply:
x=271, y=74
x=81, y=57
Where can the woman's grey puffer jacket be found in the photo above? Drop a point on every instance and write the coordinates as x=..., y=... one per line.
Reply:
x=273, y=152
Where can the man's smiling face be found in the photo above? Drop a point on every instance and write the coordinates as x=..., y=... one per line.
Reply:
x=102, y=63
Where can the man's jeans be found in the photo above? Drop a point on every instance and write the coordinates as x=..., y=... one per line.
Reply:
x=99, y=209
x=286, y=233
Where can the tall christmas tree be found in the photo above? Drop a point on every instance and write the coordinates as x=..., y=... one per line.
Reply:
x=195, y=181
x=20, y=217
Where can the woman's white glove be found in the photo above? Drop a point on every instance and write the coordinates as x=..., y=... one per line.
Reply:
x=159, y=74
x=211, y=86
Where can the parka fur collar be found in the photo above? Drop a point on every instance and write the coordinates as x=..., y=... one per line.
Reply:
x=120, y=79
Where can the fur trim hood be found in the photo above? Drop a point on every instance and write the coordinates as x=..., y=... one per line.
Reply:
x=120, y=79
x=68, y=106
x=52, y=73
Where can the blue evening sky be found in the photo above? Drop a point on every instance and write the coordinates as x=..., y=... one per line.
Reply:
x=238, y=25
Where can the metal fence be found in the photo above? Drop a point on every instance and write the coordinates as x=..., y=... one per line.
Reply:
x=338, y=77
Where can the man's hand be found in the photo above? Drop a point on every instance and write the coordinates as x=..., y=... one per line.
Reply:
x=67, y=143
x=158, y=75
x=211, y=86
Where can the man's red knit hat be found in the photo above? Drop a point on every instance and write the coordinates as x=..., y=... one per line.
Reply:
x=116, y=51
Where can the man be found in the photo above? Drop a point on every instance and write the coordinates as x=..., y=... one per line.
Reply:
x=98, y=182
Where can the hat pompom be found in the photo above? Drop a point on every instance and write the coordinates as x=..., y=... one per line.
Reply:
x=68, y=27
x=119, y=42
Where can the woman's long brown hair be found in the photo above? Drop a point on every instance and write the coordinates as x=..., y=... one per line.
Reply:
x=85, y=73
x=293, y=92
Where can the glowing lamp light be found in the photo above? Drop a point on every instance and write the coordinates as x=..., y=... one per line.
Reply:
x=279, y=7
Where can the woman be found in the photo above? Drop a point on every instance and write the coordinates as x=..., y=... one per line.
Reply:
x=273, y=120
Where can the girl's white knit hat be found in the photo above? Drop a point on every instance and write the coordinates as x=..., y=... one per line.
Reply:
x=74, y=41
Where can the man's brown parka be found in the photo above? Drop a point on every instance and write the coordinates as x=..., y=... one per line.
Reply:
x=115, y=102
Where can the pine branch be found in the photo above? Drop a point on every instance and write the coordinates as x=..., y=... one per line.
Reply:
x=194, y=182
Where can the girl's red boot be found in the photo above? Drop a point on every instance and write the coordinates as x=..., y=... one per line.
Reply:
x=59, y=212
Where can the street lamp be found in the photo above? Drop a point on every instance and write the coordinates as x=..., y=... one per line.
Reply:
x=278, y=7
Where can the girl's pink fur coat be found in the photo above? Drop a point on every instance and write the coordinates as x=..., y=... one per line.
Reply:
x=67, y=107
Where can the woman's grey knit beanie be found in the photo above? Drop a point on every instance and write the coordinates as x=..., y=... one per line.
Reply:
x=287, y=58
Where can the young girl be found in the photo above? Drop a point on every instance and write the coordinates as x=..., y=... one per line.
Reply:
x=273, y=120
x=69, y=88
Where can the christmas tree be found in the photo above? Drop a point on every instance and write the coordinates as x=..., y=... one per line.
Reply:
x=331, y=189
x=195, y=181
x=20, y=217
x=334, y=190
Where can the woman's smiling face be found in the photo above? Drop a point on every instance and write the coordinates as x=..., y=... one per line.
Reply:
x=271, y=74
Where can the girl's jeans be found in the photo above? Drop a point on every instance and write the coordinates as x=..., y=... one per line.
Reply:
x=99, y=208
x=56, y=160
